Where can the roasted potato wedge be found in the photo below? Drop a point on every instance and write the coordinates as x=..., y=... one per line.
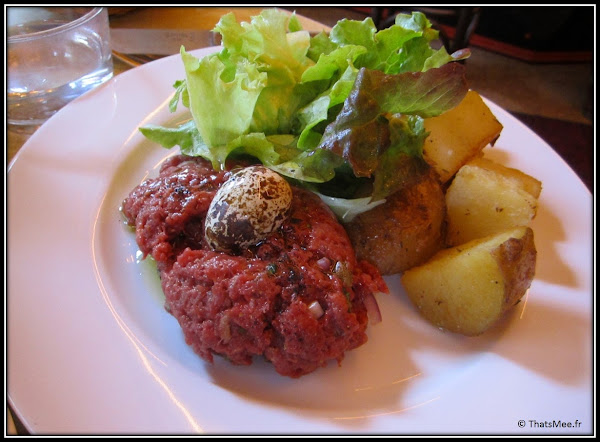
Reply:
x=468, y=288
x=404, y=231
x=459, y=135
x=486, y=197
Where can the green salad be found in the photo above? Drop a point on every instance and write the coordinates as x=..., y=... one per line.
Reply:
x=340, y=113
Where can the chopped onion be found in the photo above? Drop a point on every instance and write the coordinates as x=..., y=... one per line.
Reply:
x=324, y=263
x=372, y=309
x=224, y=329
x=316, y=309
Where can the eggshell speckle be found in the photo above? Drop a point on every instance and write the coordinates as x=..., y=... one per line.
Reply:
x=247, y=208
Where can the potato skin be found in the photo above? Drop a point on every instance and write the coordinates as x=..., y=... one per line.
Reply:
x=516, y=260
x=404, y=231
x=468, y=288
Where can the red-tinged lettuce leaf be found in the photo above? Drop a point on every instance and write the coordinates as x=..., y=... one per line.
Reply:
x=361, y=131
x=402, y=164
x=427, y=94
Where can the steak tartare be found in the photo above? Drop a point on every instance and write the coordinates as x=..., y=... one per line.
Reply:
x=299, y=298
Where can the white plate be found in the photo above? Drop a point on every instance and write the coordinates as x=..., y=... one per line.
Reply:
x=92, y=350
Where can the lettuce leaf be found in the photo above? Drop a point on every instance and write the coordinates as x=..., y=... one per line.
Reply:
x=236, y=97
x=380, y=127
x=343, y=107
x=347, y=209
x=402, y=48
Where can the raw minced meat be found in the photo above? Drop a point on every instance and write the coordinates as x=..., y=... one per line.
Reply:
x=261, y=301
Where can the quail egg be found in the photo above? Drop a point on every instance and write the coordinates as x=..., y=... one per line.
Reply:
x=250, y=205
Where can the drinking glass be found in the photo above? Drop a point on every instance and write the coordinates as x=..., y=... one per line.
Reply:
x=54, y=54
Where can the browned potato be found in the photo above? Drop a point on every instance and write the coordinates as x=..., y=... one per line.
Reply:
x=404, y=231
x=486, y=197
x=468, y=288
x=460, y=134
